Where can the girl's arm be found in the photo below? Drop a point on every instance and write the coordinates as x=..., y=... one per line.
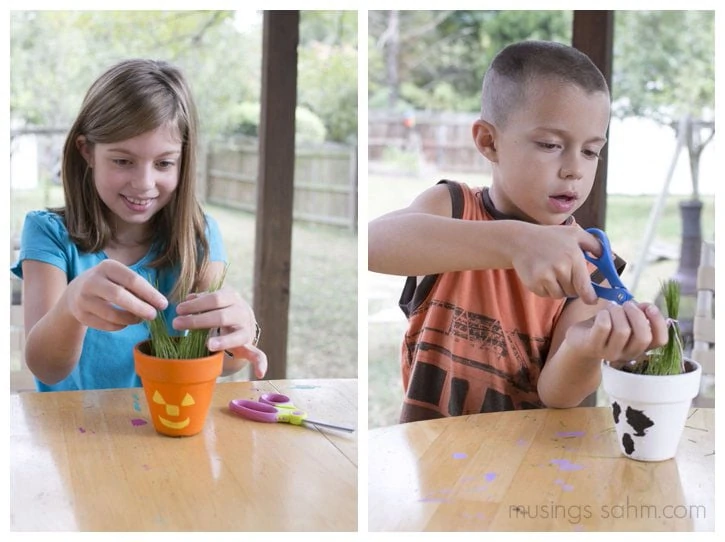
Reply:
x=109, y=296
x=586, y=335
x=53, y=338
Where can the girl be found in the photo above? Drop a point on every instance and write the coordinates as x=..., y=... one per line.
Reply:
x=131, y=220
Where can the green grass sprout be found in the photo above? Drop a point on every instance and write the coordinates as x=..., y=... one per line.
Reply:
x=668, y=359
x=191, y=344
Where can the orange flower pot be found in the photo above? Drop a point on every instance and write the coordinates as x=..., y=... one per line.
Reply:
x=178, y=391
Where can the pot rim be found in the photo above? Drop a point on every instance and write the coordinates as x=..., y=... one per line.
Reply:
x=694, y=367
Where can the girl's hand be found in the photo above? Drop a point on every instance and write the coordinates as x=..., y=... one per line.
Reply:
x=619, y=334
x=226, y=311
x=111, y=296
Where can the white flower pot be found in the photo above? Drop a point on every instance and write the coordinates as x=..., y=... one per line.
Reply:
x=650, y=411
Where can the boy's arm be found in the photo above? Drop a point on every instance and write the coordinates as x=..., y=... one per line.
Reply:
x=586, y=335
x=423, y=239
x=567, y=378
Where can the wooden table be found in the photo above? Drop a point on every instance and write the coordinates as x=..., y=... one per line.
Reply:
x=91, y=461
x=536, y=470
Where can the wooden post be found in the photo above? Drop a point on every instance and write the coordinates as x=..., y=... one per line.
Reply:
x=593, y=34
x=275, y=188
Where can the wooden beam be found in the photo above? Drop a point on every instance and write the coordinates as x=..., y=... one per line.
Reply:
x=593, y=35
x=275, y=188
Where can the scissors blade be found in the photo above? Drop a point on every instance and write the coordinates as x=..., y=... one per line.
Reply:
x=330, y=426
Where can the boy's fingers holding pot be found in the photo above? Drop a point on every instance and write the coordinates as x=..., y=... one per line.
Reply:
x=601, y=327
x=657, y=323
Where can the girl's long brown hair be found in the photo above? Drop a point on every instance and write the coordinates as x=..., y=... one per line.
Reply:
x=131, y=98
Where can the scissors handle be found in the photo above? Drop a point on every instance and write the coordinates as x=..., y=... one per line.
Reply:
x=263, y=412
x=605, y=263
x=278, y=400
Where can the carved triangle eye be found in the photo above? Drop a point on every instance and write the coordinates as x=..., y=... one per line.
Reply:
x=188, y=400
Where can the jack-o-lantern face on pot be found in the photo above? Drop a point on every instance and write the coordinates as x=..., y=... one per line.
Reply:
x=173, y=411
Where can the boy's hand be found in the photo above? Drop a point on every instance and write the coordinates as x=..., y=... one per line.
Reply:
x=550, y=261
x=619, y=333
x=111, y=296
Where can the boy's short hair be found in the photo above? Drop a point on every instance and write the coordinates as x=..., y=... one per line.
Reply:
x=515, y=66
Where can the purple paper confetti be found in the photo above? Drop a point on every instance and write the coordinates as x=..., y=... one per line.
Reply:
x=138, y=421
x=81, y=430
x=433, y=499
x=490, y=476
x=565, y=464
x=459, y=455
x=564, y=486
x=570, y=434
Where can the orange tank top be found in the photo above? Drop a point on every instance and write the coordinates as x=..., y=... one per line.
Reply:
x=476, y=340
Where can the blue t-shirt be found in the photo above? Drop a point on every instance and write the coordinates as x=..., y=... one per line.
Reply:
x=107, y=356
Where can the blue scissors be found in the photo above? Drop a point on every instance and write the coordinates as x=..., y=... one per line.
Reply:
x=605, y=263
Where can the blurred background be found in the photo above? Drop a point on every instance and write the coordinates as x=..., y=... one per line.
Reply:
x=56, y=55
x=424, y=76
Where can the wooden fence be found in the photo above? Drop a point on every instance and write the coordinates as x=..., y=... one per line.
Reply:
x=443, y=140
x=325, y=181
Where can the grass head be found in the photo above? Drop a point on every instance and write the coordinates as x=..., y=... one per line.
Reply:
x=669, y=359
x=190, y=344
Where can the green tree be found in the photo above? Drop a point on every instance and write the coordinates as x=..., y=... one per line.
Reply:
x=327, y=65
x=664, y=64
x=436, y=60
x=56, y=55
x=672, y=81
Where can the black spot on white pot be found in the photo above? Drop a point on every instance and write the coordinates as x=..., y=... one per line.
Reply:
x=638, y=421
x=616, y=411
x=628, y=443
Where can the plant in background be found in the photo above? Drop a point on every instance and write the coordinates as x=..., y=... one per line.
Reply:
x=190, y=345
x=667, y=359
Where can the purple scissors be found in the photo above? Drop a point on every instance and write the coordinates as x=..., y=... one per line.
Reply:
x=275, y=407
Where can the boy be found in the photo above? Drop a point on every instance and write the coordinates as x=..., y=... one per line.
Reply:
x=502, y=314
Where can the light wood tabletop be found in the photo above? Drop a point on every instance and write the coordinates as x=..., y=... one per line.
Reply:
x=536, y=470
x=92, y=461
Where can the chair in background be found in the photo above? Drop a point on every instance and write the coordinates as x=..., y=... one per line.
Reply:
x=703, y=329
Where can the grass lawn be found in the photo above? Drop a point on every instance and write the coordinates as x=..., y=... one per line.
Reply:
x=323, y=324
x=627, y=218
